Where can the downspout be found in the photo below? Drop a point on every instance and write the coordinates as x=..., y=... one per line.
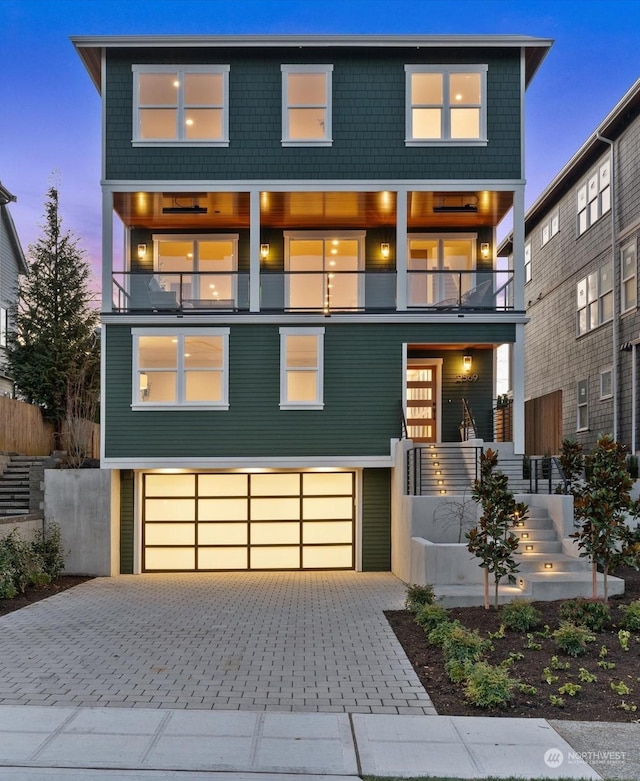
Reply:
x=616, y=292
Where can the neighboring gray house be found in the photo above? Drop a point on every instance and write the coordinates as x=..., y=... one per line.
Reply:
x=581, y=291
x=12, y=263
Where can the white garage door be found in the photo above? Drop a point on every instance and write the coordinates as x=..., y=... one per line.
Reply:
x=239, y=521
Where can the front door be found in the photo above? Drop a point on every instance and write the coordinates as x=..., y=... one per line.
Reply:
x=421, y=400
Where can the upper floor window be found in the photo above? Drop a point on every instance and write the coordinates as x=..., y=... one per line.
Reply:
x=628, y=281
x=550, y=227
x=527, y=262
x=582, y=393
x=185, y=367
x=595, y=299
x=594, y=197
x=185, y=104
x=441, y=268
x=306, y=105
x=446, y=104
x=3, y=327
x=301, y=368
x=606, y=383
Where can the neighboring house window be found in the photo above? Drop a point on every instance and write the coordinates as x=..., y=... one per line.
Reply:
x=582, y=390
x=176, y=105
x=606, y=383
x=306, y=105
x=594, y=197
x=527, y=262
x=441, y=269
x=322, y=270
x=199, y=269
x=301, y=368
x=3, y=327
x=595, y=299
x=446, y=104
x=177, y=368
x=628, y=281
x=550, y=228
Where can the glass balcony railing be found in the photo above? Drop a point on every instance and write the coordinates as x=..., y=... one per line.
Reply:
x=313, y=291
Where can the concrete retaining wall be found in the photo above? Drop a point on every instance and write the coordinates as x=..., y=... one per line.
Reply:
x=83, y=502
x=26, y=526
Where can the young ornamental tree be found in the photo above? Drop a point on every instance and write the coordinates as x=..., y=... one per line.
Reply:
x=602, y=505
x=493, y=540
x=52, y=347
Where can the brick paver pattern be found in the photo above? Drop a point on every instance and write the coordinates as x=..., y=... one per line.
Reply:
x=298, y=641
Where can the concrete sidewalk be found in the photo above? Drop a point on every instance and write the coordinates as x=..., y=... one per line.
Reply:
x=38, y=742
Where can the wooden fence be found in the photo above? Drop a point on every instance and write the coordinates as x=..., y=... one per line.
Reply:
x=22, y=430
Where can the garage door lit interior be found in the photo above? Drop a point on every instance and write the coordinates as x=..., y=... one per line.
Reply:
x=239, y=521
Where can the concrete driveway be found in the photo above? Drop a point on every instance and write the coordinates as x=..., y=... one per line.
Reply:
x=299, y=641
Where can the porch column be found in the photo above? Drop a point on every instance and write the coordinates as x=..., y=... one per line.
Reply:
x=401, y=250
x=254, y=251
x=518, y=250
x=107, y=251
x=517, y=379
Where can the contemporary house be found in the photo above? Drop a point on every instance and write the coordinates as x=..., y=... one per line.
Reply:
x=299, y=270
x=12, y=264
x=581, y=291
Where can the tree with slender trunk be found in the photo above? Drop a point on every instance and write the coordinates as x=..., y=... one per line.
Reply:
x=52, y=345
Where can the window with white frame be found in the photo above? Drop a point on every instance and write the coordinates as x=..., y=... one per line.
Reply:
x=301, y=368
x=440, y=268
x=176, y=105
x=628, y=281
x=180, y=368
x=550, y=227
x=582, y=392
x=594, y=197
x=527, y=262
x=3, y=327
x=606, y=383
x=594, y=294
x=306, y=105
x=446, y=104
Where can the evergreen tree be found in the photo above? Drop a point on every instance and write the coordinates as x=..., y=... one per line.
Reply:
x=53, y=349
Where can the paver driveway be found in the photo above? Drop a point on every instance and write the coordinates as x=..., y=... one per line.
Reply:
x=299, y=641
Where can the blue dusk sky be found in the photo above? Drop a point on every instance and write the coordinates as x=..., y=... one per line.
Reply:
x=50, y=130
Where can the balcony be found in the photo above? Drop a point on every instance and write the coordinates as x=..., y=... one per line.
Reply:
x=313, y=292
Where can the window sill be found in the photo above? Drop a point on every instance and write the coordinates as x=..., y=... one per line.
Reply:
x=309, y=142
x=446, y=142
x=176, y=143
x=301, y=406
x=150, y=407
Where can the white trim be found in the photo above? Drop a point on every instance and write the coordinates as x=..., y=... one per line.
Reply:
x=318, y=369
x=138, y=499
x=305, y=185
x=358, y=530
x=180, y=140
x=249, y=462
x=326, y=70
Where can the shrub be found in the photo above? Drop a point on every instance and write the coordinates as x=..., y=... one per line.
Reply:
x=418, y=596
x=592, y=613
x=438, y=635
x=572, y=639
x=488, y=686
x=458, y=671
x=23, y=563
x=15, y=551
x=429, y=616
x=519, y=615
x=47, y=545
x=631, y=620
x=462, y=643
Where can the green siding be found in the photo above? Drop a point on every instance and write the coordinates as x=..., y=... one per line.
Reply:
x=376, y=520
x=368, y=84
x=362, y=392
x=126, y=522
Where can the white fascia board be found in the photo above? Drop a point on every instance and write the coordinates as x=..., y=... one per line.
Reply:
x=305, y=185
x=283, y=462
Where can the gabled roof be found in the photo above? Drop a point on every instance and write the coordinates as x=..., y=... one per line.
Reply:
x=90, y=48
x=611, y=127
x=5, y=198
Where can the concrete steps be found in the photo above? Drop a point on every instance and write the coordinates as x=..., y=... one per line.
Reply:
x=15, y=486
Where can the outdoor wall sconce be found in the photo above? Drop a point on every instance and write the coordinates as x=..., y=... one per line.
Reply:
x=384, y=249
x=484, y=249
x=142, y=251
x=264, y=251
x=467, y=362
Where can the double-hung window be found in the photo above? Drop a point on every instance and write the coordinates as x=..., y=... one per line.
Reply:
x=3, y=327
x=628, y=281
x=527, y=262
x=550, y=227
x=582, y=393
x=594, y=299
x=180, y=368
x=606, y=383
x=301, y=368
x=177, y=105
x=446, y=104
x=594, y=197
x=306, y=105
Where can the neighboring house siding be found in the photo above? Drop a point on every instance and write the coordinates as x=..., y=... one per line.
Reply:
x=376, y=520
x=126, y=522
x=363, y=359
x=8, y=287
x=367, y=85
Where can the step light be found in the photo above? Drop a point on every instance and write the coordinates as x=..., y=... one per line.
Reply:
x=548, y=565
x=528, y=547
x=525, y=535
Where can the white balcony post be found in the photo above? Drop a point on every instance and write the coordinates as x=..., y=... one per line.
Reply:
x=107, y=251
x=254, y=251
x=401, y=250
x=518, y=366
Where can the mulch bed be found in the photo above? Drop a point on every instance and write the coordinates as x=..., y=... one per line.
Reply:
x=36, y=593
x=595, y=702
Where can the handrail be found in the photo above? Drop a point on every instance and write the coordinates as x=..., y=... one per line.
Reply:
x=468, y=423
x=404, y=431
